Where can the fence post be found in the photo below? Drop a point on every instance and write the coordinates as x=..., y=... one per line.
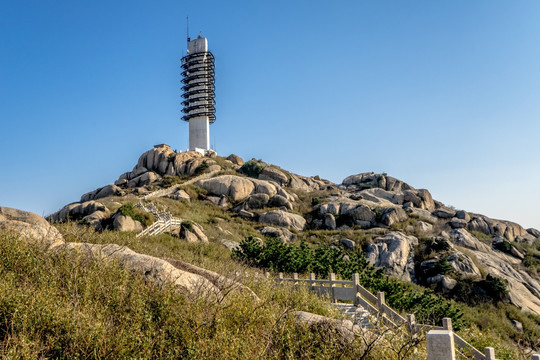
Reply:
x=447, y=324
x=280, y=277
x=411, y=324
x=295, y=278
x=490, y=353
x=332, y=278
x=356, y=284
x=440, y=345
x=536, y=357
x=380, y=302
x=311, y=281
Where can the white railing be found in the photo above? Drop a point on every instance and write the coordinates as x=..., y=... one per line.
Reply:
x=164, y=220
x=376, y=305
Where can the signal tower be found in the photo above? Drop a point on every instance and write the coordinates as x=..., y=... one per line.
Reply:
x=198, y=93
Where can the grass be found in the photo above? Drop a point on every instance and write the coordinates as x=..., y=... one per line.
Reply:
x=67, y=306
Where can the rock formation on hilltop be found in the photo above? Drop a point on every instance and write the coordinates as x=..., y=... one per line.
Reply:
x=409, y=234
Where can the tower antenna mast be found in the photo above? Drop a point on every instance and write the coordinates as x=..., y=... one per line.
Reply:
x=187, y=26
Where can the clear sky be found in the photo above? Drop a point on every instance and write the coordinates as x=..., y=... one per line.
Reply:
x=441, y=94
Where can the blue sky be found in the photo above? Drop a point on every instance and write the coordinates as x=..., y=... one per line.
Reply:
x=441, y=94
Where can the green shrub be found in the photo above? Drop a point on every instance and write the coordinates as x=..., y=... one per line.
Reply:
x=187, y=225
x=129, y=209
x=315, y=201
x=280, y=257
x=503, y=246
x=252, y=169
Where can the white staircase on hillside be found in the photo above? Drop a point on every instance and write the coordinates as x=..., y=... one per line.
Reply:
x=164, y=220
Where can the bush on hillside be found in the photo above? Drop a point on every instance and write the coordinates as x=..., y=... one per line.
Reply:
x=129, y=209
x=280, y=257
x=252, y=169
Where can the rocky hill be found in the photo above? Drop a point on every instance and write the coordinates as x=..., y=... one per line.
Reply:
x=212, y=210
x=397, y=217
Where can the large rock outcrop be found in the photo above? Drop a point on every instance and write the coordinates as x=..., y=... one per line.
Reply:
x=283, y=218
x=394, y=252
x=239, y=188
x=29, y=226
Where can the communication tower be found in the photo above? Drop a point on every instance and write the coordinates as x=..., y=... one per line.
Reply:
x=198, y=93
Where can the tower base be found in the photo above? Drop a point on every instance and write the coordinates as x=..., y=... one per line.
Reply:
x=199, y=134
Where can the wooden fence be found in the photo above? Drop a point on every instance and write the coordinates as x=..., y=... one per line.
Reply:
x=353, y=291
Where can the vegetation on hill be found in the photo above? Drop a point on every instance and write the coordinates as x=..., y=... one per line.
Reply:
x=278, y=256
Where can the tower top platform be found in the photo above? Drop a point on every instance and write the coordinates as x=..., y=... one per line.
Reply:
x=199, y=45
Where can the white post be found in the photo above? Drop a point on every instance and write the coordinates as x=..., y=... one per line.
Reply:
x=356, y=284
x=440, y=345
x=332, y=278
x=311, y=281
x=490, y=353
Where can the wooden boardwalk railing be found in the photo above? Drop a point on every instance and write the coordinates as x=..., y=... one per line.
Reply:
x=353, y=291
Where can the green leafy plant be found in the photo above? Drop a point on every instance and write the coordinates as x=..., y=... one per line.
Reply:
x=252, y=169
x=278, y=256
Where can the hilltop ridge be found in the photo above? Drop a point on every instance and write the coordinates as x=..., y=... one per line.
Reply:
x=393, y=218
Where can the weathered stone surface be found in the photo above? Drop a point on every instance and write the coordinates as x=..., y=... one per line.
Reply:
x=246, y=214
x=257, y=201
x=280, y=201
x=180, y=195
x=362, y=213
x=348, y=243
x=463, y=238
x=425, y=227
x=343, y=327
x=95, y=218
x=393, y=215
x=463, y=215
x=380, y=196
x=189, y=236
x=534, y=232
x=281, y=233
x=235, y=159
x=238, y=188
x=145, y=179
x=308, y=184
x=444, y=213
x=370, y=180
x=152, y=268
x=330, y=221
x=126, y=223
x=77, y=211
x=264, y=187
x=394, y=252
x=488, y=226
x=517, y=325
x=185, y=163
x=156, y=159
x=527, y=239
x=410, y=196
x=199, y=232
x=272, y=174
x=464, y=266
x=427, y=201
x=524, y=291
x=230, y=244
x=102, y=192
x=446, y=282
x=422, y=215
x=283, y=218
x=456, y=223
x=29, y=226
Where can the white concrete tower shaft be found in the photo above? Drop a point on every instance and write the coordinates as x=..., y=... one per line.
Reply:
x=198, y=93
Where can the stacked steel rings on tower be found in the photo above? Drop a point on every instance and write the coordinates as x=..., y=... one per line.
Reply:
x=198, y=80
